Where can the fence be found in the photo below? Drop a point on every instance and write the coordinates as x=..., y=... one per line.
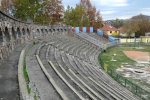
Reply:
x=142, y=39
x=134, y=88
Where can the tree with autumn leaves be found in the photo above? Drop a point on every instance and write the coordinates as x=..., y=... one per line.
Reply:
x=7, y=7
x=25, y=9
x=138, y=24
x=76, y=16
x=46, y=12
x=84, y=14
x=52, y=12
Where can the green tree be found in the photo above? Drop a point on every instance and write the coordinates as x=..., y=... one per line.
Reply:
x=76, y=16
x=84, y=14
x=98, y=21
x=117, y=23
x=26, y=9
x=46, y=12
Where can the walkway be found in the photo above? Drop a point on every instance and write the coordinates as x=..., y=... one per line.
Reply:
x=89, y=38
x=37, y=77
x=8, y=77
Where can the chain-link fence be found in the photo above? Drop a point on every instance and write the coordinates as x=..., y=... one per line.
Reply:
x=134, y=88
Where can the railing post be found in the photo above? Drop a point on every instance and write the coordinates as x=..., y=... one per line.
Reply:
x=125, y=82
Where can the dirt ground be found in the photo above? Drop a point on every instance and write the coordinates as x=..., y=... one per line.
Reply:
x=138, y=55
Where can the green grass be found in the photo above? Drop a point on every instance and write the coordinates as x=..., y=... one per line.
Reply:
x=25, y=74
x=120, y=56
x=105, y=59
x=26, y=77
x=35, y=98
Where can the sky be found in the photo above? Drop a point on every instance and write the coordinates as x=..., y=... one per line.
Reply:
x=112, y=9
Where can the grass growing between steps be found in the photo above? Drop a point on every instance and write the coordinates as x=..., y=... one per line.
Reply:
x=26, y=77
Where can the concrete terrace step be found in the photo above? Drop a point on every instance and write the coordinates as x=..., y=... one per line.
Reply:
x=73, y=77
x=37, y=77
x=71, y=68
x=65, y=77
x=55, y=77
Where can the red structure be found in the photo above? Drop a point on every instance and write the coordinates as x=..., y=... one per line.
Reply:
x=88, y=29
x=108, y=28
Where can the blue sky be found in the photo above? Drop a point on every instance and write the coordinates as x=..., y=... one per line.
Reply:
x=112, y=9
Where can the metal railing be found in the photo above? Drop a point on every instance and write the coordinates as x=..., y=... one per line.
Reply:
x=131, y=86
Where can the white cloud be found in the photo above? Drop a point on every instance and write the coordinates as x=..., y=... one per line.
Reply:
x=107, y=12
x=124, y=17
x=145, y=8
x=110, y=17
x=113, y=3
x=145, y=11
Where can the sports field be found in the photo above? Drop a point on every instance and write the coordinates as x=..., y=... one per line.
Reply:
x=130, y=62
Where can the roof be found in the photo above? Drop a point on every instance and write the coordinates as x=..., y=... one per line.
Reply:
x=122, y=30
x=108, y=28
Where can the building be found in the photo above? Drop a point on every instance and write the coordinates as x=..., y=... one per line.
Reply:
x=109, y=30
x=122, y=32
x=147, y=34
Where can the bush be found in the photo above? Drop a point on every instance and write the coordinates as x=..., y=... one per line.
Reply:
x=115, y=34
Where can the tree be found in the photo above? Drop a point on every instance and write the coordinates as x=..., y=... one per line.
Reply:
x=26, y=9
x=117, y=23
x=47, y=12
x=84, y=14
x=131, y=26
x=98, y=21
x=76, y=16
x=143, y=23
x=67, y=15
x=54, y=10
x=94, y=16
x=7, y=7
x=138, y=24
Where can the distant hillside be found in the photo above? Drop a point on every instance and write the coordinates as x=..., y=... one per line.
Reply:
x=111, y=22
x=142, y=16
x=116, y=22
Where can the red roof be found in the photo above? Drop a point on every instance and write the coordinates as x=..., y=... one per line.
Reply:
x=122, y=30
x=108, y=28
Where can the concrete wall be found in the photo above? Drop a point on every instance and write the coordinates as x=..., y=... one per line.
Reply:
x=145, y=40
x=91, y=30
x=77, y=29
x=83, y=29
x=110, y=32
x=100, y=32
